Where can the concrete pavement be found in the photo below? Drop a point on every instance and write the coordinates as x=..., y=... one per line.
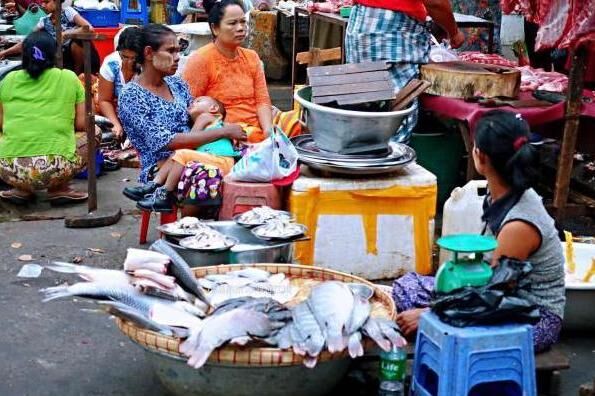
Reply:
x=56, y=348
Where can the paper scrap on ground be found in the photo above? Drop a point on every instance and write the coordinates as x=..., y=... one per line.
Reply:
x=30, y=271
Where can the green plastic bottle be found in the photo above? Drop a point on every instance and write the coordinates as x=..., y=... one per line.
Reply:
x=392, y=372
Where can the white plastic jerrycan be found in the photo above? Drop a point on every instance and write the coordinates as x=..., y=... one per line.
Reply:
x=462, y=211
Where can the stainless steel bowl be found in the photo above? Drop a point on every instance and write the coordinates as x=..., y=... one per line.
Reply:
x=249, y=248
x=233, y=380
x=339, y=130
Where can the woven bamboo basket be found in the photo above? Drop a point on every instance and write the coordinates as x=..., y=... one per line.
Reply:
x=304, y=277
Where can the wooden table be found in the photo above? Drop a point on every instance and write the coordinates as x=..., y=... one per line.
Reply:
x=463, y=21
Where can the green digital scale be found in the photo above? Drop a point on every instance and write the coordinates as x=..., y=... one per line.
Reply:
x=467, y=266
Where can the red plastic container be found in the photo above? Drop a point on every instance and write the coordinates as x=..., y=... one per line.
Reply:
x=240, y=197
x=106, y=46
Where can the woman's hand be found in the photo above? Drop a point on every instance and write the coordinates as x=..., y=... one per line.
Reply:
x=118, y=132
x=235, y=132
x=408, y=320
x=457, y=39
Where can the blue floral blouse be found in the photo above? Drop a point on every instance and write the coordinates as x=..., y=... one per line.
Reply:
x=152, y=122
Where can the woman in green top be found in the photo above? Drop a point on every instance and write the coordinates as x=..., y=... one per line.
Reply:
x=40, y=107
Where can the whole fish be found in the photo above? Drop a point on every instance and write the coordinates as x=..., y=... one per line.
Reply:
x=384, y=332
x=354, y=345
x=262, y=304
x=255, y=274
x=331, y=303
x=89, y=273
x=171, y=313
x=125, y=312
x=359, y=314
x=308, y=327
x=180, y=270
x=218, y=329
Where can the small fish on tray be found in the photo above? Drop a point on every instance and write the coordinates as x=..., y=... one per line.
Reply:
x=208, y=239
x=261, y=215
x=186, y=226
x=280, y=230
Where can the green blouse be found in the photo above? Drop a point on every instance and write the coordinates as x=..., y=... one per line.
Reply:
x=38, y=115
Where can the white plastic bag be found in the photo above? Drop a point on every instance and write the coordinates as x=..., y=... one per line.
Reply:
x=439, y=52
x=273, y=159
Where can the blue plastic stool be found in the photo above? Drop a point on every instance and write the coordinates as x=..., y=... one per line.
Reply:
x=134, y=12
x=453, y=361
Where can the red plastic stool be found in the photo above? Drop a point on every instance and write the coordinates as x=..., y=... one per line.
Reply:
x=240, y=197
x=164, y=218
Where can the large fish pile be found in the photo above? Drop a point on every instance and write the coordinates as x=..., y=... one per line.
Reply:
x=158, y=291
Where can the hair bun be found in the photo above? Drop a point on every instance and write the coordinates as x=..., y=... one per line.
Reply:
x=208, y=5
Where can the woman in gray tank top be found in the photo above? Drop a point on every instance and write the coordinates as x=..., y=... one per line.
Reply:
x=515, y=215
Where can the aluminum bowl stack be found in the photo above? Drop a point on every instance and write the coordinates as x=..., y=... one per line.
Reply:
x=382, y=160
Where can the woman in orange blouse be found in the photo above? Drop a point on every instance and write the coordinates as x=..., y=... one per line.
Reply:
x=230, y=73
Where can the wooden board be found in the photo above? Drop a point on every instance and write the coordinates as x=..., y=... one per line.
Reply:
x=353, y=88
x=350, y=99
x=346, y=69
x=466, y=79
x=350, y=78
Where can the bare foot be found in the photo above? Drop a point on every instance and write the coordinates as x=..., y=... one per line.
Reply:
x=408, y=320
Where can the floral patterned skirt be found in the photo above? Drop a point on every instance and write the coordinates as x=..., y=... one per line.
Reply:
x=199, y=182
x=39, y=172
x=415, y=291
x=45, y=171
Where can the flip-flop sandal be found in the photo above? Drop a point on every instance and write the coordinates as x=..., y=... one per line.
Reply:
x=16, y=199
x=67, y=197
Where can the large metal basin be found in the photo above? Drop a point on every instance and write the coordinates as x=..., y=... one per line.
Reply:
x=233, y=380
x=249, y=250
x=340, y=130
x=579, y=314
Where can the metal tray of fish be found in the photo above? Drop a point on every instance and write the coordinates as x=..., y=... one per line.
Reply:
x=174, y=229
x=282, y=214
x=228, y=243
x=261, y=232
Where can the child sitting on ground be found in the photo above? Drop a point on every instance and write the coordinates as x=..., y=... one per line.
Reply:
x=159, y=194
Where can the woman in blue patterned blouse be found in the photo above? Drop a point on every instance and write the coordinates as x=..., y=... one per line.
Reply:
x=153, y=113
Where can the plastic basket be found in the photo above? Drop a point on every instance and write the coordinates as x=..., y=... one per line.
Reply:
x=101, y=18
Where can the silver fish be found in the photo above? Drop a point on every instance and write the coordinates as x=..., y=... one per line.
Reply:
x=331, y=303
x=89, y=273
x=384, y=332
x=282, y=338
x=125, y=312
x=218, y=329
x=255, y=274
x=354, y=345
x=359, y=314
x=308, y=327
x=171, y=314
x=180, y=270
x=206, y=284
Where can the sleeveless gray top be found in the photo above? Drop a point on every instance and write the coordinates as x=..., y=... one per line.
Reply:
x=547, y=277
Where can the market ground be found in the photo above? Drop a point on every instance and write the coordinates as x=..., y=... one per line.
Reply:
x=58, y=348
